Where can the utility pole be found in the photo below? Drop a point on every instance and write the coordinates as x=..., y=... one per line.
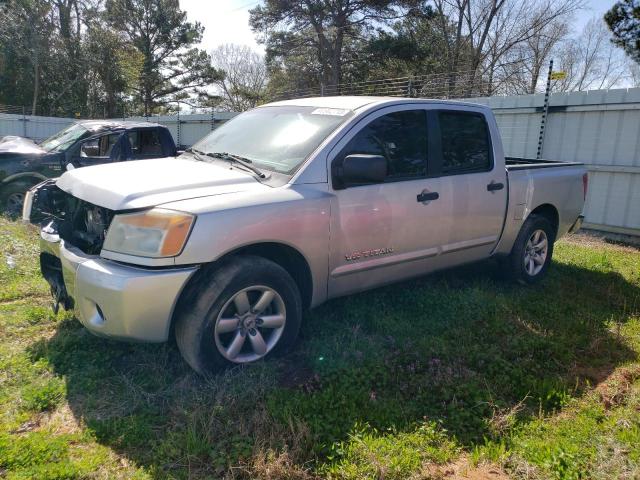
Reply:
x=545, y=111
x=178, y=126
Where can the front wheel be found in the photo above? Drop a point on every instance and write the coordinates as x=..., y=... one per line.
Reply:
x=12, y=198
x=532, y=251
x=246, y=309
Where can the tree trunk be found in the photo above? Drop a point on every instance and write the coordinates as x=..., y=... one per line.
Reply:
x=534, y=78
x=36, y=82
x=336, y=61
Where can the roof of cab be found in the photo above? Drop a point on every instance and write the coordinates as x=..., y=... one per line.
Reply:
x=357, y=102
x=95, y=125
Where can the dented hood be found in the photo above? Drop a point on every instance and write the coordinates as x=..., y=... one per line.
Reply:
x=147, y=183
x=20, y=145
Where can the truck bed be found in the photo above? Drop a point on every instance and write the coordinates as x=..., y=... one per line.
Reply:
x=517, y=163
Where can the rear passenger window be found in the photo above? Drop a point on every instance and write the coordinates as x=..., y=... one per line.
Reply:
x=400, y=137
x=465, y=142
x=145, y=143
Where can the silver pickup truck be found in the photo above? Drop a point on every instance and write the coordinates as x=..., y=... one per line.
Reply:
x=289, y=205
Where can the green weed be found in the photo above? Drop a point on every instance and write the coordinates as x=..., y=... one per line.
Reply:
x=457, y=365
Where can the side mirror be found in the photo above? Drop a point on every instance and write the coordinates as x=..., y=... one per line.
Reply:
x=360, y=169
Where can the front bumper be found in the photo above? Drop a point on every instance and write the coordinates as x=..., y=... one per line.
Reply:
x=115, y=300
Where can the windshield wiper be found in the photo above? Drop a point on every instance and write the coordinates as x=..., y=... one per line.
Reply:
x=245, y=162
x=242, y=161
x=196, y=153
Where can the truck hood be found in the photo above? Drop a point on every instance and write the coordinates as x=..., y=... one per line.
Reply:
x=147, y=183
x=19, y=145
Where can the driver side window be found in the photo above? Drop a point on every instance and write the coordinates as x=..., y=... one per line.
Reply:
x=401, y=138
x=99, y=147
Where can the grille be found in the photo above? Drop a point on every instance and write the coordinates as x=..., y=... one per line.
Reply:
x=81, y=223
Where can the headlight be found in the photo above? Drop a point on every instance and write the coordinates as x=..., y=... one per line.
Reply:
x=152, y=233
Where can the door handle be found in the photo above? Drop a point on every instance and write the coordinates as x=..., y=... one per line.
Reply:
x=427, y=196
x=493, y=186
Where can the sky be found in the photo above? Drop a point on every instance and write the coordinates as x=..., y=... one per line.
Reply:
x=227, y=21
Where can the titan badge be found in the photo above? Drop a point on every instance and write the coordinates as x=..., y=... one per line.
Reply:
x=376, y=252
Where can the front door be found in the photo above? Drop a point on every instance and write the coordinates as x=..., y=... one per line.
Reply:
x=97, y=150
x=385, y=232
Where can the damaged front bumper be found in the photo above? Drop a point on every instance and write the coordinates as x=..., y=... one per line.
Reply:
x=109, y=298
x=40, y=202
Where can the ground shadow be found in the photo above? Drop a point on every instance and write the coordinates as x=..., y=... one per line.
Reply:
x=457, y=348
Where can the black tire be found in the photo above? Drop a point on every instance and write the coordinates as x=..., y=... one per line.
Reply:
x=11, y=198
x=212, y=289
x=514, y=264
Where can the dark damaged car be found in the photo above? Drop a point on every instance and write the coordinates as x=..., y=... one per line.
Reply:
x=24, y=163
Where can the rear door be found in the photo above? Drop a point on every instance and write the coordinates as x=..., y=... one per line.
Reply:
x=473, y=180
x=145, y=143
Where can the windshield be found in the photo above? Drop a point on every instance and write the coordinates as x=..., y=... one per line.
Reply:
x=64, y=138
x=275, y=138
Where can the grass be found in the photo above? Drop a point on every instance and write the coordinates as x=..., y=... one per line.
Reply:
x=456, y=374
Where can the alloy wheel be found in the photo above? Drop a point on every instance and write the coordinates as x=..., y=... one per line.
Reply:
x=250, y=324
x=535, y=252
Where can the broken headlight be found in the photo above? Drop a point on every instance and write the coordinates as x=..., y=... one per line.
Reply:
x=152, y=233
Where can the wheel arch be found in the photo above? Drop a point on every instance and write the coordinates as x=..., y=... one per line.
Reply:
x=281, y=254
x=24, y=177
x=549, y=212
x=288, y=258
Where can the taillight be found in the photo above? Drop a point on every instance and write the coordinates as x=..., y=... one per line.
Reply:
x=585, y=184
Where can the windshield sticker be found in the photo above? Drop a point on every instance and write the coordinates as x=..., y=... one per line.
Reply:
x=336, y=112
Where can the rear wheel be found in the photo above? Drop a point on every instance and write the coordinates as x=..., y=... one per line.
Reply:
x=532, y=251
x=245, y=310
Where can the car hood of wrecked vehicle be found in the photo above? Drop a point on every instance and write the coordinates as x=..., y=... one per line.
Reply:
x=147, y=183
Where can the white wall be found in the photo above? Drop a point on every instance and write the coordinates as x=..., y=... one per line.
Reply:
x=31, y=126
x=192, y=127
x=600, y=128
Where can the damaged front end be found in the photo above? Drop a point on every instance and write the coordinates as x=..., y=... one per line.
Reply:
x=41, y=202
x=79, y=224
x=51, y=268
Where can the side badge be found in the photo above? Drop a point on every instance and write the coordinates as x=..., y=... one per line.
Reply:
x=376, y=252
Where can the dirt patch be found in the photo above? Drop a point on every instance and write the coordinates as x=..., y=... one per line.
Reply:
x=594, y=375
x=59, y=421
x=614, y=391
x=588, y=239
x=28, y=426
x=296, y=374
x=270, y=466
x=461, y=469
